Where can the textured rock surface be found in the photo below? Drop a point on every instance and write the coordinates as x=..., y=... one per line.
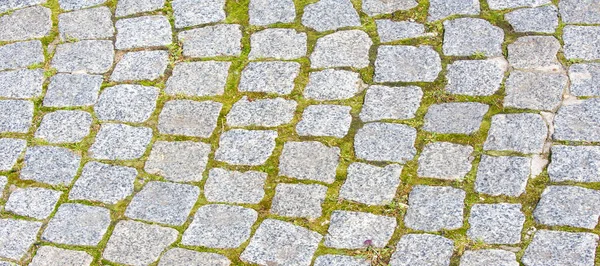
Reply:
x=585, y=79
x=469, y=36
x=370, y=184
x=435, y=208
x=535, y=90
x=283, y=44
x=130, y=7
x=385, y=142
x=163, y=202
x=143, y=65
x=140, y=32
x=50, y=165
x=24, y=24
x=16, y=237
x=180, y=256
x=561, y=248
x=246, y=147
x=382, y=102
x=581, y=42
x=211, y=41
x=36, y=203
x=422, y=250
x=350, y=230
x=496, y=223
x=181, y=161
x=445, y=160
x=264, y=112
x=309, y=160
x=220, y=226
x=542, y=19
x=325, y=120
x=508, y=4
x=585, y=12
x=205, y=78
x=524, y=133
x=64, y=126
x=104, y=183
x=189, y=118
x=332, y=84
x=390, y=30
x=574, y=163
x=376, y=7
x=48, y=255
x=476, y=77
x=298, y=200
x=21, y=84
x=330, y=15
x=503, y=175
x=126, y=103
x=342, y=49
x=265, y=12
x=78, y=4
x=93, y=23
x=92, y=57
x=191, y=13
x=235, y=187
x=488, y=257
x=15, y=116
x=77, y=224
x=66, y=90
x=568, y=206
x=407, y=64
x=269, y=77
x=340, y=260
x=578, y=121
x=120, y=142
x=10, y=151
x=457, y=118
x=439, y=9
x=21, y=54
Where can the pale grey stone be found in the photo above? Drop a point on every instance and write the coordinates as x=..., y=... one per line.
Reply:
x=325, y=120
x=309, y=160
x=120, y=142
x=433, y=208
x=50, y=165
x=67, y=90
x=455, y=118
x=390, y=30
x=385, y=142
x=181, y=161
x=163, y=202
x=235, y=187
x=3, y=182
x=137, y=243
x=581, y=42
x=261, y=112
x=535, y=90
x=503, y=175
x=574, y=163
x=377, y=7
x=21, y=54
x=16, y=4
x=445, y=160
x=143, y=32
x=126, y=103
x=64, y=126
x=92, y=57
x=406, y=64
x=356, y=230
x=585, y=79
x=580, y=12
x=568, y=206
x=185, y=257
x=211, y=41
x=440, y=9
x=371, y=185
x=10, y=151
x=24, y=24
x=104, y=183
x=422, y=250
x=348, y=48
x=328, y=15
x=509, y=4
x=32, y=202
x=142, y=65
x=561, y=248
x=49, y=256
x=21, y=84
x=78, y=4
x=578, y=121
x=542, y=19
x=189, y=118
x=298, y=200
x=78, y=225
x=17, y=236
x=246, y=147
x=131, y=7
x=496, y=257
x=496, y=223
x=269, y=77
x=340, y=260
x=333, y=84
x=205, y=78
x=535, y=53
x=191, y=12
x=476, y=77
x=220, y=226
x=469, y=36
x=93, y=23
x=15, y=116
x=286, y=44
x=382, y=102
x=265, y=12
x=522, y=132
x=282, y=243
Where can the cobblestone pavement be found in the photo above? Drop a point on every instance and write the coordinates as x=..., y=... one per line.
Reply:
x=300, y=132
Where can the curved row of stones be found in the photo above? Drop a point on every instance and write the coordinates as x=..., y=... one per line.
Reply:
x=60, y=203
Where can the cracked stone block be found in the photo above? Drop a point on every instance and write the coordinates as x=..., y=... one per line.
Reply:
x=470, y=36
x=24, y=24
x=49, y=255
x=383, y=102
x=385, y=142
x=68, y=5
x=64, y=126
x=325, y=120
x=261, y=112
x=488, y=257
x=184, y=257
x=522, y=132
x=579, y=121
x=535, y=90
x=120, y=142
x=189, y=13
x=67, y=90
x=309, y=160
x=581, y=42
x=104, y=183
x=92, y=57
x=15, y=116
x=78, y=225
x=580, y=12
x=535, y=52
x=285, y=44
x=189, y=118
x=328, y=15
x=211, y=41
x=143, y=32
x=220, y=226
x=561, y=248
x=298, y=200
x=574, y=163
x=22, y=83
x=440, y=9
x=10, y=151
x=93, y=23
x=445, y=160
x=378, y=7
x=205, y=78
x=17, y=236
x=502, y=175
x=333, y=84
x=340, y=260
x=181, y=161
x=282, y=243
x=351, y=230
x=131, y=7
x=265, y=12
x=348, y=48
x=17, y=4
x=455, y=118
x=246, y=147
x=542, y=19
x=476, y=77
x=142, y=65
x=371, y=185
x=50, y=165
x=390, y=30
x=270, y=77
x=496, y=223
x=126, y=103
x=32, y=202
x=163, y=202
x=21, y=54
x=137, y=243
x=235, y=187
x=422, y=250
x=407, y=64
x=432, y=208
x=585, y=79
x=510, y=4
x=568, y=206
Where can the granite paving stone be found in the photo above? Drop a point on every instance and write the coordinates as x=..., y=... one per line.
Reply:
x=16, y=4
x=309, y=160
x=142, y=65
x=503, y=175
x=77, y=225
x=542, y=19
x=327, y=15
x=535, y=53
x=16, y=116
x=3, y=182
x=72, y=90
x=298, y=200
x=440, y=9
x=143, y=32
x=333, y=84
x=340, y=260
x=377, y=7
x=385, y=142
x=580, y=12
x=578, y=121
x=455, y=118
x=561, y=248
x=64, y=126
x=342, y=49
x=235, y=187
x=85, y=24
x=261, y=112
x=10, y=150
x=49, y=255
x=325, y=120
x=126, y=103
x=205, y=78
x=21, y=54
x=120, y=142
x=500, y=223
x=476, y=77
x=581, y=42
x=181, y=161
x=488, y=257
x=509, y=4
x=371, y=185
x=78, y=4
x=131, y=7
x=51, y=165
x=585, y=79
x=32, y=202
x=383, y=102
x=351, y=230
x=422, y=250
x=100, y=182
x=445, y=160
x=212, y=41
x=568, y=206
x=535, y=90
x=24, y=24
x=186, y=257
x=521, y=132
x=275, y=77
x=390, y=30
x=574, y=163
x=432, y=208
x=246, y=147
x=22, y=83
x=285, y=44
x=17, y=237
x=404, y=63
x=470, y=36
x=265, y=12
x=91, y=57
x=189, y=118
x=191, y=13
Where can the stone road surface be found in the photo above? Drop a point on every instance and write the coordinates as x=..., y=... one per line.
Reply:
x=300, y=132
